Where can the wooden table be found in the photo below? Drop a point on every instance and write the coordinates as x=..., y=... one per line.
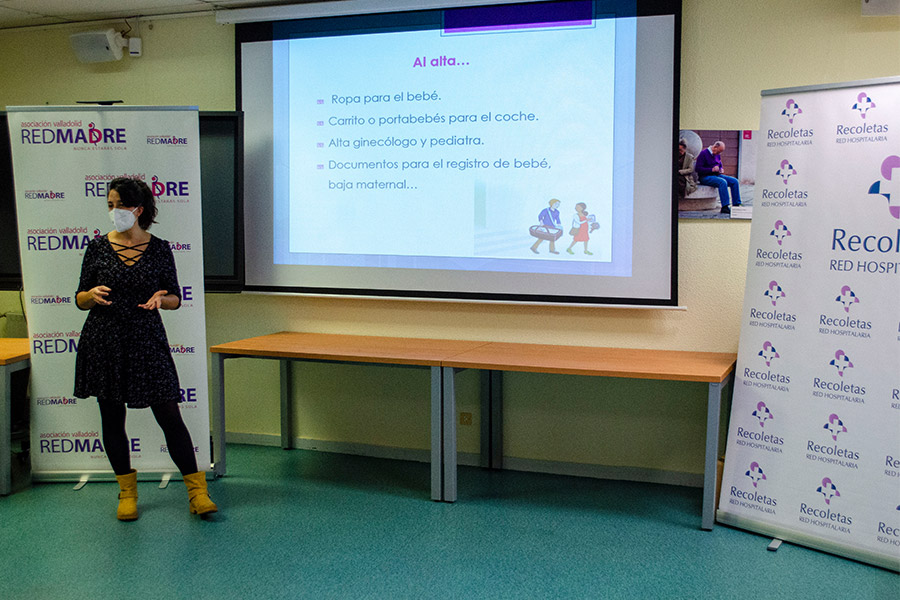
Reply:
x=445, y=358
x=713, y=368
x=14, y=355
x=288, y=346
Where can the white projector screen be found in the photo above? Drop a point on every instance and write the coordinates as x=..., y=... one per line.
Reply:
x=410, y=154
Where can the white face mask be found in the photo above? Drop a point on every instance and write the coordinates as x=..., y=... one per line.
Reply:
x=124, y=219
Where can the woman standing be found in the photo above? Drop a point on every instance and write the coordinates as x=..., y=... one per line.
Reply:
x=579, y=231
x=123, y=354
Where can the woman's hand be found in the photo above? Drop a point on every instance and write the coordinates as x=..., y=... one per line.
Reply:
x=156, y=301
x=94, y=297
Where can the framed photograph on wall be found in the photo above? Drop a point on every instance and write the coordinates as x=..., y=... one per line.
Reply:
x=723, y=194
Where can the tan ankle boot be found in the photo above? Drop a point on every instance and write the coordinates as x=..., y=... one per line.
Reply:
x=127, y=510
x=198, y=495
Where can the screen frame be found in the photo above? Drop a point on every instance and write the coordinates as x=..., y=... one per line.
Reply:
x=248, y=32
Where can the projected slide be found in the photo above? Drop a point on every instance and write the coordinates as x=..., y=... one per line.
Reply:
x=482, y=150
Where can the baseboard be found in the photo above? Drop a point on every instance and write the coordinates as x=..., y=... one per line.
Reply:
x=471, y=459
x=468, y=459
x=640, y=474
x=252, y=439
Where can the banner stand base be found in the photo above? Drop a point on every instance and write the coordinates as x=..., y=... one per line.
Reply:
x=802, y=538
x=82, y=478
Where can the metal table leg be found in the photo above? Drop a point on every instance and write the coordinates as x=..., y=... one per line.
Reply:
x=287, y=419
x=437, y=438
x=5, y=431
x=449, y=432
x=710, y=472
x=217, y=397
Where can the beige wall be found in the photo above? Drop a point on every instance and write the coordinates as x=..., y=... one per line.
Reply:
x=186, y=62
x=730, y=51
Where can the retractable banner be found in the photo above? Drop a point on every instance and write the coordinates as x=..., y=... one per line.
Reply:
x=814, y=442
x=63, y=159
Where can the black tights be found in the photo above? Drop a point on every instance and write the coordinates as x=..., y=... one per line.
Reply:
x=168, y=416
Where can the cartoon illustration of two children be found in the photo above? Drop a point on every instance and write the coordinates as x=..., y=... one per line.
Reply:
x=550, y=227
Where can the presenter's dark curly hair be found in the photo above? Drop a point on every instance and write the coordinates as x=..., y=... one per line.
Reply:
x=133, y=193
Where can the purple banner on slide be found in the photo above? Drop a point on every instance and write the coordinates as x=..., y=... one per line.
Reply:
x=529, y=16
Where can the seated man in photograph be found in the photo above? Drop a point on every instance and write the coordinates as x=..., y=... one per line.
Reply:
x=710, y=172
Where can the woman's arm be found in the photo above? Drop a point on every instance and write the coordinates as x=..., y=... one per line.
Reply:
x=93, y=297
x=162, y=300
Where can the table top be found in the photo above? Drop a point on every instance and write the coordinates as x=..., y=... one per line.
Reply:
x=632, y=363
x=672, y=365
x=13, y=350
x=353, y=348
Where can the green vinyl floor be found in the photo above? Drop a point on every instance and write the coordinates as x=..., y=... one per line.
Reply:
x=302, y=524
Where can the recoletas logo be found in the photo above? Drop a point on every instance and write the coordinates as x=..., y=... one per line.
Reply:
x=835, y=426
x=766, y=378
x=753, y=499
x=788, y=196
x=828, y=490
x=774, y=293
x=772, y=317
x=768, y=353
x=863, y=104
x=757, y=439
x=786, y=170
x=827, y=518
x=781, y=257
x=847, y=298
x=791, y=110
x=834, y=454
x=841, y=362
x=780, y=232
x=889, y=186
x=762, y=413
x=755, y=474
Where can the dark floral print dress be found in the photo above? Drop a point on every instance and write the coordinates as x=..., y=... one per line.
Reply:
x=123, y=353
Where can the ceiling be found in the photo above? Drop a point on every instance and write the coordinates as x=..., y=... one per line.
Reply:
x=36, y=13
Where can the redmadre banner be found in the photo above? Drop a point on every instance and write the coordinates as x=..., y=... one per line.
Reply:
x=63, y=159
x=814, y=440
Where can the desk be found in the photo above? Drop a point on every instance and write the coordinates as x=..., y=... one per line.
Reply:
x=713, y=368
x=14, y=355
x=288, y=346
x=447, y=357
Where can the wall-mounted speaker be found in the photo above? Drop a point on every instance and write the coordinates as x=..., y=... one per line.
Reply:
x=98, y=46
